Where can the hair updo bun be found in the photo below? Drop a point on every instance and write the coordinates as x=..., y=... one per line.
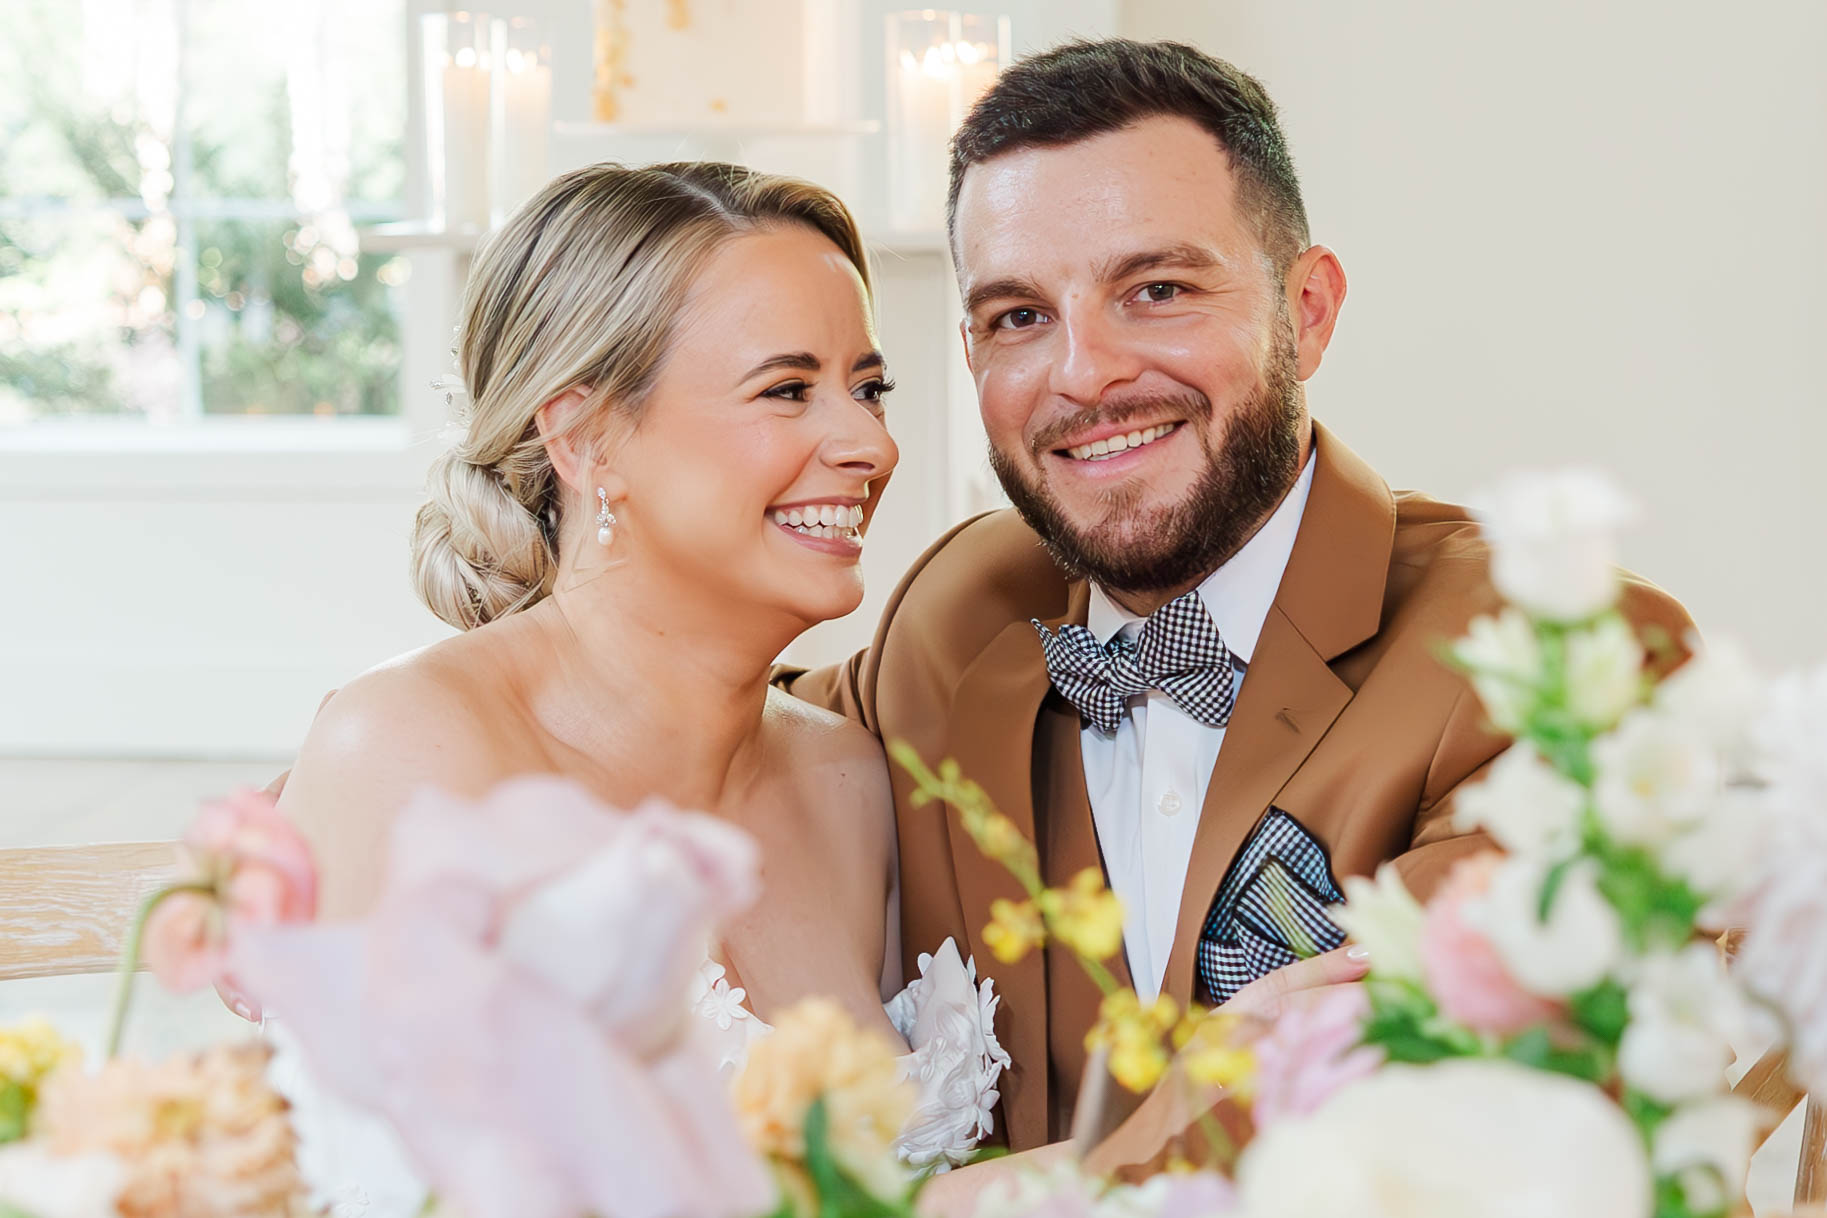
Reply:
x=478, y=553
x=579, y=290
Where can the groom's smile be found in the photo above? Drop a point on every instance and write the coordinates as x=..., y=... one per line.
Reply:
x=1133, y=349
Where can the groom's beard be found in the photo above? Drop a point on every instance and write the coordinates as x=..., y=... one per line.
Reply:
x=1134, y=549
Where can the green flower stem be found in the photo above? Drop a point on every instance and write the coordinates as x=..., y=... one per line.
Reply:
x=130, y=960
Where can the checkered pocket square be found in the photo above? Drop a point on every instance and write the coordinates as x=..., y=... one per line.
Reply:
x=1270, y=910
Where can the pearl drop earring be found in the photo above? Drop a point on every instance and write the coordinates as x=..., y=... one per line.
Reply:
x=605, y=519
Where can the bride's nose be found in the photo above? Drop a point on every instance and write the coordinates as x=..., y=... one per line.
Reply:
x=861, y=446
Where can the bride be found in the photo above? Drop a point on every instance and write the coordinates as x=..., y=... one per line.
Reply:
x=675, y=441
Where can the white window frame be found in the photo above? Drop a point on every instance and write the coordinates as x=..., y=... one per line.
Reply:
x=222, y=456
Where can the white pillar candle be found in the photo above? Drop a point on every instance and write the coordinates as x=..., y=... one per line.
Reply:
x=926, y=86
x=466, y=139
x=526, y=124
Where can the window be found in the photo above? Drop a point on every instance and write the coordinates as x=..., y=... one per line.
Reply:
x=180, y=187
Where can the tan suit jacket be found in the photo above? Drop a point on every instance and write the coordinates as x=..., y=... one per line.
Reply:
x=1347, y=720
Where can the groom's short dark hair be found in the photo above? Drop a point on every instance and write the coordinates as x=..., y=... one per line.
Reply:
x=1088, y=88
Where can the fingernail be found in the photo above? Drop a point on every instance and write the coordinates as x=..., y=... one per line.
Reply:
x=1357, y=953
x=242, y=1009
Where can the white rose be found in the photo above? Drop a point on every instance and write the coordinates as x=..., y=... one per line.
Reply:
x=1684, y=1012
x=1384, y=918
x=1604, y=672
x=1553, y=541
x=1579, y=943
x=1707, y=1147
x=1657, y=777
x=1504, y=659
x=1717, y=693
x=1460, y=1139
x=1718, y=857
x=1524, y=803
x=1791, y=736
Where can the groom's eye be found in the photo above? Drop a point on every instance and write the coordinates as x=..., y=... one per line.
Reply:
x=1018, y=319
x=1159, y=293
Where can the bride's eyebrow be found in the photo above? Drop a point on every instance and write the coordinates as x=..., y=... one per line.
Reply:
x=805, y=361
x=797, y=361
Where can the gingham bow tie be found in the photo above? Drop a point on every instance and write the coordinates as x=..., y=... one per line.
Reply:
x=1178, y=652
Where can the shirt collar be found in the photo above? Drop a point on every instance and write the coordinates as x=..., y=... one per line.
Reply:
x=1238, y=594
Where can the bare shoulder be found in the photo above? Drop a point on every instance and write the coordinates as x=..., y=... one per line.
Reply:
x=420, y=714
x=417, y=721
x=835, y=759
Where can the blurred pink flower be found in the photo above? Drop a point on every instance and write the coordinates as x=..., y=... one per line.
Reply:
x=1463, y=970
x=256, y=869
x=516, y=1004
x=1311, y=1052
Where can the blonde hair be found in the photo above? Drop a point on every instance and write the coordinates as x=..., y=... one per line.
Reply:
x=582, y=287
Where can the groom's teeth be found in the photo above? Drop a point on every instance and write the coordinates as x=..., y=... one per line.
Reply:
x=1118, y=444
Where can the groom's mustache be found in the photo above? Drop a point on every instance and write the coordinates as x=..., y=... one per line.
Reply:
x=1154, y=407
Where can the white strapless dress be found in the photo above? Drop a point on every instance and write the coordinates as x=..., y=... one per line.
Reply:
x=357, y=1167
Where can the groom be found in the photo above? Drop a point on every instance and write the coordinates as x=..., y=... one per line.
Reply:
x=1201, y=653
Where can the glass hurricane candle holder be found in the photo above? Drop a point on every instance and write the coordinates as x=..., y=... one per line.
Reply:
x=939, y=63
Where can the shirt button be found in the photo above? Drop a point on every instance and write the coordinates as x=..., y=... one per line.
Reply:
x=1170, y=803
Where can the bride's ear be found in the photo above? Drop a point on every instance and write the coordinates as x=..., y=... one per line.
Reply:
x=571, y=449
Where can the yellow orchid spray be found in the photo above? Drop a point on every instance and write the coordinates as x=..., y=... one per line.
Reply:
x=1086, y=918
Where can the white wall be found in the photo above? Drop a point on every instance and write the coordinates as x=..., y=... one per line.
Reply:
x=1576, y=230
x=1571, y=229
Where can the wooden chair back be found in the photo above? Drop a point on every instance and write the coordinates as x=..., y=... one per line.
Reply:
x=1767, y=1085
x=67, y=909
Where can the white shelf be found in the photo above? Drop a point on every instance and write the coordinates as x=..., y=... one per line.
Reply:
x=718, y=130
x=407, y=235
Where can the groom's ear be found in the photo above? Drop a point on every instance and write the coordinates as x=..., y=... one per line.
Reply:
x=1316, y=293
x=964, y=336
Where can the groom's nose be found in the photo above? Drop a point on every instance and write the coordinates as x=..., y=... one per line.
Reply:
x=1096, y=357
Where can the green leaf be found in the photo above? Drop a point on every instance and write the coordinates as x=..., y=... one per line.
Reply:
x=15, y=1111
x=1645, y=1113
x=839, y=1194
x=1654, y=909
x=1536, y=1049
x=1672, y=1200
x=1406, y=1025
x=1603, y=1011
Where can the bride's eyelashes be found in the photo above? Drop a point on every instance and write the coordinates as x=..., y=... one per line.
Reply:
x=875, y=392
x=788, y=391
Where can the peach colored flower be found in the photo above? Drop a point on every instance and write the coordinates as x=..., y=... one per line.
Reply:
x=816, y=1050
x=1463, y=970
x=199, y=1137
x=251, y=867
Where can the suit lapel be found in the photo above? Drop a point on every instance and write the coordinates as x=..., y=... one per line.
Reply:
x=991, y=733
x=1330, y=600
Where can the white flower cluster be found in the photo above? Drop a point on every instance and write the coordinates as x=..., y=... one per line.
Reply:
x=1633, y=818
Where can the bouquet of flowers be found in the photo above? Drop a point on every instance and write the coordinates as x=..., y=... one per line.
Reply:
x=1550, y=1033
x=507, y=1032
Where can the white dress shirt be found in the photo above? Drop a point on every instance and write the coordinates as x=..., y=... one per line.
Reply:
x=1147, y=783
